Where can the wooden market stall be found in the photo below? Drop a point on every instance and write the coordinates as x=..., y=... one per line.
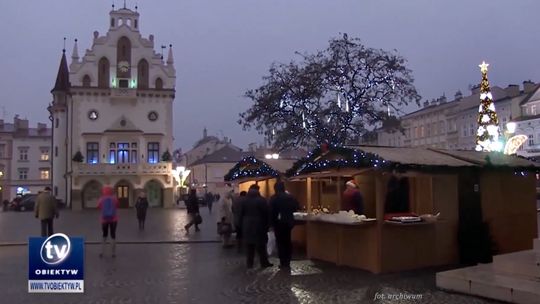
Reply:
x=251, y=170
x=436, y=182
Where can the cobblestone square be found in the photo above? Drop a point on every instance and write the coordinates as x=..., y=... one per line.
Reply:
x=164, y=265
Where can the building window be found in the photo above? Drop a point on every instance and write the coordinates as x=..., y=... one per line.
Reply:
x=142, y=74
x=92, y=152
x=112, y=22
x=153, y=153
x=464, y=131
x=44, y=173
x=86, y=81
x=23, y=173
x=2, y=148
x=55, y=190
x=533, y=110
x=44, y=154
x=55, y=151
x=23, y=154
x=122, y=153
x=159, y=84
x=56, y=123
x=531, y=140
x=103, y=73
x=472, y=130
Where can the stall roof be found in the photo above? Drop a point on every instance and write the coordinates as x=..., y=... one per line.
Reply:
x=415, y=156
x=489, y=159
x=333, y=161
x=250, y=168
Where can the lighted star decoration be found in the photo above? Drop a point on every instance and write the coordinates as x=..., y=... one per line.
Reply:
x=484, y=67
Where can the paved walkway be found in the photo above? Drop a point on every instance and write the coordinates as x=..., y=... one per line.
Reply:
x=206, y=273
x=197, y=271
x=162, y=225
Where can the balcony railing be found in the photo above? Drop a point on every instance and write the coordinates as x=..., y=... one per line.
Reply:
x=124, y=169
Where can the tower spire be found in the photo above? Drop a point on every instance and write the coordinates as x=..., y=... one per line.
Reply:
x=75, y=54
x=62, y=78
x=170, y=59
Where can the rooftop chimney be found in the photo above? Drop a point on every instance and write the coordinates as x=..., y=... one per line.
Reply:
x=41, y=127
x=458, y=96
x=20, y=124
x=442, y=99
x=475, y=89
x=512, y=90
x=528, y=86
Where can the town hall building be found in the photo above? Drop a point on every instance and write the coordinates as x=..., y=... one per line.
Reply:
x=112, y=118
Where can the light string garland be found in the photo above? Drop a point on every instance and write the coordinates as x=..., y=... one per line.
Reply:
x=488, y=133
x=250, y=167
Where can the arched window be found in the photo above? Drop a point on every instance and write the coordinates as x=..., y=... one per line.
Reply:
x=112, y=22
x=142, y=74
x=86, y=81
x=128, y=22
x=159, y=84
x=103, y=73
x=135, y=22
x=123, y=54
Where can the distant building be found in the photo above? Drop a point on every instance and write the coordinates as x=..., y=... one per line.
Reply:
x=453, y=125
x=207, y=173
x=205, y=146
x=25, y=163
x=113, y=107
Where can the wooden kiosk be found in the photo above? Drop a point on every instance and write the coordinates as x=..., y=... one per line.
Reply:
x=436, y=183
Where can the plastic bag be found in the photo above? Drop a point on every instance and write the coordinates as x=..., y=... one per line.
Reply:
x=271, y=245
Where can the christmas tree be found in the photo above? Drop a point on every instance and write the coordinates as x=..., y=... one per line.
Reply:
x=488, y=133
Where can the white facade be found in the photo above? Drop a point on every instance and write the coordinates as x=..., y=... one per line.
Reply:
x=117, y=113
x=25, y=163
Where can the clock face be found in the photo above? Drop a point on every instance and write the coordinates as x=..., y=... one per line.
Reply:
x=93, y=115
x=123, y=66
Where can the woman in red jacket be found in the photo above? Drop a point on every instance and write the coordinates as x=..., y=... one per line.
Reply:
x=108, y=205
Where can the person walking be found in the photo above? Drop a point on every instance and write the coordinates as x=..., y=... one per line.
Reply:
x=45, y=210
x=192, y=206
x=209, y=197
x=108, y=205
x=237, y=211
x=255, y=218
x=142, y=206
x=282, y=207
x=225, y=223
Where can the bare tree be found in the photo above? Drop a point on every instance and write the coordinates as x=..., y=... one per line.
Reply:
x=331, y=97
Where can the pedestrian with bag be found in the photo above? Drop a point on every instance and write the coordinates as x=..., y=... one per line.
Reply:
x=192, y=206
x=46, y=210
x=141, y=206
x=225, y=214
x=282, y=206
x=108, y=206
x=255, y=218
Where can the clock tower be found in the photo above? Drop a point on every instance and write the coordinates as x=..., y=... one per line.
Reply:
x=113, y=106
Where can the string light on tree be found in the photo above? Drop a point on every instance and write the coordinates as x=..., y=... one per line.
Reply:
x=488, y=134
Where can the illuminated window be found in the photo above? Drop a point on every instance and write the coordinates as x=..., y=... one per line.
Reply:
x=44, y=154
x=23, y=173
x=153, y=153
x=44, y=173
x=92, y=152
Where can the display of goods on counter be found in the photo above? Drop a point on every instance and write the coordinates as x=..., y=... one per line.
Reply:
x=343, y=217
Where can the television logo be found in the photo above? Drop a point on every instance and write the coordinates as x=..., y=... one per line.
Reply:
x=55, y=249
x=56, y=264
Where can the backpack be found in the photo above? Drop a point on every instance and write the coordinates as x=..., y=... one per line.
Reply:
x=108, y=209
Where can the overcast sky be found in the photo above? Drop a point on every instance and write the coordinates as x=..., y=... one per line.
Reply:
x=222, y=48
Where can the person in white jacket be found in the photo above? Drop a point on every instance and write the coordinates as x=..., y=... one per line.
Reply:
x=225, y=219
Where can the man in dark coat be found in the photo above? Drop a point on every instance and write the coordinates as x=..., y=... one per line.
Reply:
x=237, y=211
x=282, y=206
x=192, y=206
x=254, y=218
